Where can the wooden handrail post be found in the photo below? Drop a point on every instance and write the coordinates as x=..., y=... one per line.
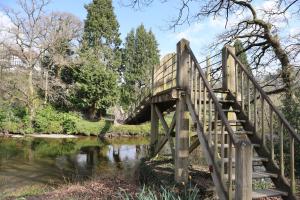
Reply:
x=182, y=119
x=228, y=69
x=243, y=172
x=182, y=80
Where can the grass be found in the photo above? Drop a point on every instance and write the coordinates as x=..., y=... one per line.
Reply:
x=148, y=193
x=22, y=192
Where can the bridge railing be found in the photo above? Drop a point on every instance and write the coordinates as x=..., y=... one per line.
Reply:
x=277, y=135
x=164, y=74
x=202, y=101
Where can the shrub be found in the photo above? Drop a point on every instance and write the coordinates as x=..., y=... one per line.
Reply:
x=69, y=126
x=47, y=120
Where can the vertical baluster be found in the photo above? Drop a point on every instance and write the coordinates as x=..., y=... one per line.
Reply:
x=281, y=151
x=229, y=168
x=242, y=90
x=172, y=73
x=248, y=99
x=271, y=134
x=200, y=96
x=263, y=122
x=222, y=151
x=292, y=163
x=255, y=111
x=192, y=80
x=215, y=135
x=236, y=81
x=204, y=108
x=209, y=119
x=196, y=89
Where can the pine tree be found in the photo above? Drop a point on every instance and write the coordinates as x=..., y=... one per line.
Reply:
x=96, y=77
x=140, y=54
x=101, y=32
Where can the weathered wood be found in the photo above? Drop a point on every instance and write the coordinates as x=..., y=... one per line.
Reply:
x=243, y=171
x=228, y=69
x=263, y=122
x=271, y=134
x=292, y=166
x=164, y=140
x=182, y=141
x=182, y=119
x=167, y=129
x=154, y=129
x=281, y=151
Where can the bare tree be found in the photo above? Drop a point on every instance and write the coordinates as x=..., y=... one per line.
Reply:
x=33, y=34
x=258, y=28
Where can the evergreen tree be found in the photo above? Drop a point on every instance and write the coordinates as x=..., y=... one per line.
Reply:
x=95, y=87
x=239, y=50
x=101, y=32
x=95, y=78
x=140, y=54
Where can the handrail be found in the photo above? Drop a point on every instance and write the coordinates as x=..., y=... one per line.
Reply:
x=266, y=97
x=215, y=100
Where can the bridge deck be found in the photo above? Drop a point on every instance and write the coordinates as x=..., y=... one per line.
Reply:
x=165, y=100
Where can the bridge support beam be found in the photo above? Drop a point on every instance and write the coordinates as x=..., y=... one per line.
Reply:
x=182, y=115
x=182, y=141
x=154, y=129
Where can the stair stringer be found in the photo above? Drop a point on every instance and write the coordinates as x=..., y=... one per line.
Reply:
x=216, y=176
x=280, y=182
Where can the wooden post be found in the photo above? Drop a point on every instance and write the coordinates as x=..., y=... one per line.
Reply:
x=243, y=171
x=154, y=129
x=182, y=120
x=228, y=68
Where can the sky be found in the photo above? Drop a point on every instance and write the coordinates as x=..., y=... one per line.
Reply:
x=156, y=17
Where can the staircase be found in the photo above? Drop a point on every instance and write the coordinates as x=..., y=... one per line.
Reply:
x=241, y=116
x=247, y=142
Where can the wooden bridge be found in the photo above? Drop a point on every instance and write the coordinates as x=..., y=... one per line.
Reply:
x=243, y=135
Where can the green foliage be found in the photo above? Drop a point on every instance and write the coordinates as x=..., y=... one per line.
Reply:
x=69, y=126
x=47, y=120
x=101, y=32
x=140, y=54
x=291, y=110
x=95, y=86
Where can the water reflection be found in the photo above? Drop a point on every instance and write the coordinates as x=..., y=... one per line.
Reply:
x=29, y=161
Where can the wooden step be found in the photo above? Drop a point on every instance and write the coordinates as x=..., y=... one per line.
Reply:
x=227, y=145
x=232, y=121
x=224, y=110
x=255, y=159
x=263, y=193
x=236, y=132
x=221, y=100
x=257, y=175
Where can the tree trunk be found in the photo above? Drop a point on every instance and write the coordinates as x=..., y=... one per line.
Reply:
x=286, y=68
x=92, y=111
x=31, y=96
x=46, y=86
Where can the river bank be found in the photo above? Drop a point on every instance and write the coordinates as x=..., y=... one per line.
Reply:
x=104, y=188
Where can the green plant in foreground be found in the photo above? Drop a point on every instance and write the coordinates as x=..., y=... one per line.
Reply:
x=163, y=194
